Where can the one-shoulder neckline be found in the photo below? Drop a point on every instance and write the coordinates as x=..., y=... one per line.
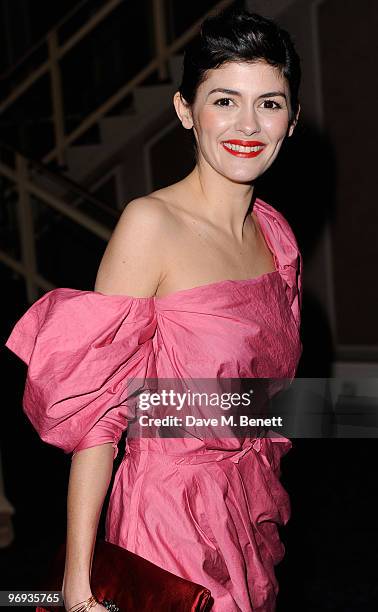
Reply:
x=244, y=281
x=247, y=281
x=213, y=284
x=173, y=294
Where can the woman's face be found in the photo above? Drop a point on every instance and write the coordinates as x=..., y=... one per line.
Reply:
x=240, y=118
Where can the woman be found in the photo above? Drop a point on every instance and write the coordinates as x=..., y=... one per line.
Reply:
x=199, y=280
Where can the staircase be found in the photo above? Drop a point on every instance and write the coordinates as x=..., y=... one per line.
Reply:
x=86, y=162
x=51, y=215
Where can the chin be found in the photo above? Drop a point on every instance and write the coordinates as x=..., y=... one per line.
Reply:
x=242, y=177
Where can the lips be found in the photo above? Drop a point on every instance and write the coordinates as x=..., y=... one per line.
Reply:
x=243, y=143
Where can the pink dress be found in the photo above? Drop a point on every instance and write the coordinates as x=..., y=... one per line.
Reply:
x=206, y=512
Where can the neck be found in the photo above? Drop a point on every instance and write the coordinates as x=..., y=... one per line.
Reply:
x=221, y=201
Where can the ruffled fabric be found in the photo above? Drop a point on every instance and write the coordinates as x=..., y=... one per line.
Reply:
x=279, y=236
x=83, y=350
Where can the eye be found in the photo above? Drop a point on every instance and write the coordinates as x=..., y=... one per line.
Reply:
x=223, y=102
x=276, y=107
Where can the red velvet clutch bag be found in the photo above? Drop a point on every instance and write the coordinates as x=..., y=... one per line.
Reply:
x=121, y=579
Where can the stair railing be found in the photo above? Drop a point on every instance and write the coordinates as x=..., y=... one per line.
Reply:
x=20, y=174
x=57, y=51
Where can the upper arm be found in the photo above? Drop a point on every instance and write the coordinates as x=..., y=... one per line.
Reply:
x=132, y=263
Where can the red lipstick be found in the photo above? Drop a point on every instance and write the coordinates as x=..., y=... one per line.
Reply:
x=243, y=143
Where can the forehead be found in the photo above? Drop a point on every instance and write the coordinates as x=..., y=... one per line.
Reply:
x=244, y=77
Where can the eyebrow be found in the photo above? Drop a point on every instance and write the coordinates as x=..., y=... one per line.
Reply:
x=233, y=92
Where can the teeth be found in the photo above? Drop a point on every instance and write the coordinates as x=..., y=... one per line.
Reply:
x=241, y=148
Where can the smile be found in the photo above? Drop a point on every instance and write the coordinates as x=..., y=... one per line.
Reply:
x=244, y=148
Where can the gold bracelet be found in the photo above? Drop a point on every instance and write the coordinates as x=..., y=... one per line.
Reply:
x=84, y=606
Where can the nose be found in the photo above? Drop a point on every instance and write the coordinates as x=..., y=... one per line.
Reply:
x=247, y=121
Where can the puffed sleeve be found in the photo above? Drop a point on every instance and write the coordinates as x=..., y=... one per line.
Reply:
x=86, y=354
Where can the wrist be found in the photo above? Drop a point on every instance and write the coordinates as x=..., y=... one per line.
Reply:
x=74, y=595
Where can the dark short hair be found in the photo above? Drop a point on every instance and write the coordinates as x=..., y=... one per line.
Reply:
x=235, y=35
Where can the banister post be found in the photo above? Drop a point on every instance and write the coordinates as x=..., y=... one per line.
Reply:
x=6, y=511
x=160, y=37
x=56, y=96
x=26, y=225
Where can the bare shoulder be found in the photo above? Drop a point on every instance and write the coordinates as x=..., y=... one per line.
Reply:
x=145, y=213
x=133, y=261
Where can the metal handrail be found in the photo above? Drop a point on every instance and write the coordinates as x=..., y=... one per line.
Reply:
x=62, y=180
x=75, y=38
x=56, y=52
x=26, y=188
x=4, y=75
x=53, y=201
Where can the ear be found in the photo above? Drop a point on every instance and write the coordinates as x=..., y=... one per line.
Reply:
x=183, y=111
x=294, y=122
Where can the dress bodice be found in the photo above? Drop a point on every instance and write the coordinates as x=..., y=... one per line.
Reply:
x=84, y=348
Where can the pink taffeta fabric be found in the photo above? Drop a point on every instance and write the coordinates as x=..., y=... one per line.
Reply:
x=207, y=512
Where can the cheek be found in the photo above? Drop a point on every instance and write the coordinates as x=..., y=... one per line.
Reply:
x=209, y=120
x=276, y=127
